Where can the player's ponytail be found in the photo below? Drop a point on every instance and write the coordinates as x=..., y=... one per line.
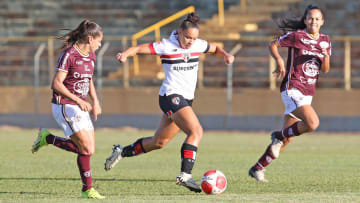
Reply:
x=191, y=21
x=292, y=24
x=80, y=34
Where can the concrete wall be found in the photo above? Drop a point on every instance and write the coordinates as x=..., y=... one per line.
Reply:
x=253, y=109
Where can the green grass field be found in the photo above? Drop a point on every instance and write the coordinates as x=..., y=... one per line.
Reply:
x=314, y=168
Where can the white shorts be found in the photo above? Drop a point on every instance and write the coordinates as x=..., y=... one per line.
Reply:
x=293, y=99
x=71, y=118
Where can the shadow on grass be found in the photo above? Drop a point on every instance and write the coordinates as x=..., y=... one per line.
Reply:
x=28, y=193
x=95, y=179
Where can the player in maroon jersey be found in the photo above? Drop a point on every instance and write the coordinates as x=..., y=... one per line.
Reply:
x=308, y=53
x=71, y=85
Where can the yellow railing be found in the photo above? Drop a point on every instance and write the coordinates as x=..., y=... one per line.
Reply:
x=156, y=27
x=221, y=12
x=346, y=40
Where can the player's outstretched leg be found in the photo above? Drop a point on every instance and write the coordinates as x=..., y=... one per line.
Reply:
x=128, y=151
x=258, y=174
x=188, y=156
x=40, y=140
x=114, y=158
x=258, y=170
x=92, y=194
x=276, y=144
x=186, y=180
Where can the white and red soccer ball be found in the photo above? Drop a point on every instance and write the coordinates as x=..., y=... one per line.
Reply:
x=213, y=182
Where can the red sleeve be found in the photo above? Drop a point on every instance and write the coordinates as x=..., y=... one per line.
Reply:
x=151, y=46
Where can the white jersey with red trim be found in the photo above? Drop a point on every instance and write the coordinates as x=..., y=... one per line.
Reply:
x=180, y=65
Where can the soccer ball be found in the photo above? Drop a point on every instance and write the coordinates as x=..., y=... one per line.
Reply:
x=213, y=182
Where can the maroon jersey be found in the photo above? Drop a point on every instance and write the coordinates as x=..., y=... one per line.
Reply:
x=304, y=60
x=79, y=69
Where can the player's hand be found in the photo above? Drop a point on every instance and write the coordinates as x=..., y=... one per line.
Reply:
x=229, y=59
x=324, y=52
x=85, y=106
x=121, y=57
x=96, y=110
x=280, y=69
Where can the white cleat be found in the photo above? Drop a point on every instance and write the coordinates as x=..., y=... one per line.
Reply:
x=258, y=174
x=186, y=180
x=114, y=158
x=275, y=145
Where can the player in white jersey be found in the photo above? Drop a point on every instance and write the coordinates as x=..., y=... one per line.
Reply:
x=180, y=58
x=71, y=85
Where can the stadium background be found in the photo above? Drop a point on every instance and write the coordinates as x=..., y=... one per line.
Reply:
x=26, y=25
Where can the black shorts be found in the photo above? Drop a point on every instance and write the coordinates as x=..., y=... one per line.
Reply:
x=172, y=103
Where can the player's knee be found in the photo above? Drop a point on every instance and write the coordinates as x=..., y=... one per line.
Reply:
x=197, y=132
x=160, y=144
x=313, y=124
x=87, y=150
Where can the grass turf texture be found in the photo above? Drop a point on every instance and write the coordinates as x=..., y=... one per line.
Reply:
x=313, y=168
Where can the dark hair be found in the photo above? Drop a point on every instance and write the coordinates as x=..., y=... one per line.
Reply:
x=292, y=24
x=80, y=34
x=191, y=21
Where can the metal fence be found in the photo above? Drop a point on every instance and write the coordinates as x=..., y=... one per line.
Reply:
x=32, y=61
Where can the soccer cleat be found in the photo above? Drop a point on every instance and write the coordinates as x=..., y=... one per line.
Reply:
x=186, y=180
x=258, y=174
x=275, y=145
x=40, y=140
x=114, y=158
x=92, y=194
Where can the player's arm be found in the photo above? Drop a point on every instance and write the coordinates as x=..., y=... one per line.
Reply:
x=274, y=51
x=132, y=51
x=58, y=86
x=325, y=66
x=96, y=108
x=220, y=52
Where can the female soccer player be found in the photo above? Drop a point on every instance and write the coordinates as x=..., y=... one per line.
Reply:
x=308, y=52
x=180, y=57
x=71, y=85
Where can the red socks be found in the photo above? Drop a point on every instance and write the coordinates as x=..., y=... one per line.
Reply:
x=62, y=143
x=265, y=159
x=83, y=162
x=188, y=155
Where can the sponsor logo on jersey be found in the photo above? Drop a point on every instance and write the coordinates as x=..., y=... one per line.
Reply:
x=78, y=75
x=86, y=66
x=86, y=59
x=311, y=68
x=184, y=68
x=309, y=81
x=175, y=100
x=79, y=62
x=308, y=41
x=324, y=45
x=82, y=87
x=307, y=52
